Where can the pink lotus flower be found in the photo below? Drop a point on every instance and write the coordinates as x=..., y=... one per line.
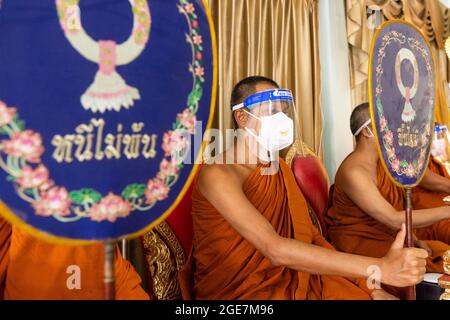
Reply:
x=199, y=71
x=46, y=185
x=167, y=169
x=197, y=39
x=383, y=123
x=189, y=8
x=26, y=144
x=194, y=24
x=173, y=141
x=409, y=171
x=55, y=201
x=110, y=208
x=198, y=55
x=30, y=178
x=6, y=114
x=187, y=119
x=396, y=165
x=390, y=153
x=378, y=91
x=157, y=190
x=389, y=137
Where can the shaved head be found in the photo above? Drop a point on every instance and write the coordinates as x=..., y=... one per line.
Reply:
x=359, y=116
x=247, y=87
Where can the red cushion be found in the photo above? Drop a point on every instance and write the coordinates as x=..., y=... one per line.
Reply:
x=313, y=182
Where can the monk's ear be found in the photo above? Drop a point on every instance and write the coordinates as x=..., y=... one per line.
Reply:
x=241, y=118
x=367, y=132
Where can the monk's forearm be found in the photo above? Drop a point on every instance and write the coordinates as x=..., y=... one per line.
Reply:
x=442, y=186
x=317, y=260
x=435, y=182
x=421, y=218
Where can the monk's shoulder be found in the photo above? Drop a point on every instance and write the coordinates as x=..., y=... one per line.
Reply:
x=213, y=176
x=350, y=170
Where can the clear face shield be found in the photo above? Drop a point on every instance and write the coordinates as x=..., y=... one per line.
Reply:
x=440, y=140
x=271, y=125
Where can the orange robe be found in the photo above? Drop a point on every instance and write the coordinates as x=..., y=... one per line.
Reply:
x=223, y=265
x=34, y=269
x=5, y=236
x=425, y=199
x=354, y=231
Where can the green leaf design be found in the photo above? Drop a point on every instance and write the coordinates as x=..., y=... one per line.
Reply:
x=194, y=96
x=133, y=191
x=85, y=196
x=20, y=124
x=176, y=124
x=403, y=164
x=379, y=107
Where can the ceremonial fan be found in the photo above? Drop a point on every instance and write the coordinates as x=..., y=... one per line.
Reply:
x=402, y=95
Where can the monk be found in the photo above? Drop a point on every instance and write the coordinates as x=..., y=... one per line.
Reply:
x=31, y=269
x=253, y=237
x=368, y=209
x=432, y=197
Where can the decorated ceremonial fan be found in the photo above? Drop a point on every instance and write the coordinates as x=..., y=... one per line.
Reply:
x=103, y=105
x=402, y=99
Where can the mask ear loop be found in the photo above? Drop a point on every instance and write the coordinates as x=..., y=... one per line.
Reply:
x=362, y=127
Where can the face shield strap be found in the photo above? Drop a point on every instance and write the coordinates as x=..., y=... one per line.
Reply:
x=265, y=96
x=365, y=124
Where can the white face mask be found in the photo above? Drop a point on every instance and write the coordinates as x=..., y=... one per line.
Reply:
x=438, y=147
x=276, y=133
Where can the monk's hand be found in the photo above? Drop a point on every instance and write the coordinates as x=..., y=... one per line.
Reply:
x=380, y=294
x=422, y=244
x=403, y=267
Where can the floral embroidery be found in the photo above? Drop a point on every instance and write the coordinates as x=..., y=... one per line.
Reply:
x=26, y=145
x=55, y=201
x=110, y=208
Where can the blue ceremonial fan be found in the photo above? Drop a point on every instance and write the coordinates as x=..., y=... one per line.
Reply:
x=102, y=108
x=402, y=92
x=402, y=99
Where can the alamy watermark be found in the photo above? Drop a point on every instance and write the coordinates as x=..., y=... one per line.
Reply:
x=73, y=282
x=242, y=148
x=374, y=279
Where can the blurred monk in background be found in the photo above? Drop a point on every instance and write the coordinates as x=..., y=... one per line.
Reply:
x=425, y=198
x=253, y=236
x=368, y=209
x=31, y=268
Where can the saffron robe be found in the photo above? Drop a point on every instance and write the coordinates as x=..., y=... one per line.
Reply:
x=31, y=268
x=223, y=265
